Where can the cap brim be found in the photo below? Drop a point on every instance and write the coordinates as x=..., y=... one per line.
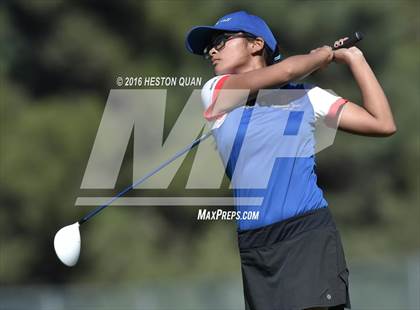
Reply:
x=200, y=37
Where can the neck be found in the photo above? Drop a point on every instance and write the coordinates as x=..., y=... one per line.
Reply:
x=254, y=64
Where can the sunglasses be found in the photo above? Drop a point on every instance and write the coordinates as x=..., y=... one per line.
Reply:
x=218, y=42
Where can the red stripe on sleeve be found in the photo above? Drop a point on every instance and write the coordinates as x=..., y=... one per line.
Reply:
x=208, y=113
x=331, y=119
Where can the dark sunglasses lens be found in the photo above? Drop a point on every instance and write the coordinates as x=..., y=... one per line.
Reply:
x=219, y=39
x=218, y=42
x=206, y=52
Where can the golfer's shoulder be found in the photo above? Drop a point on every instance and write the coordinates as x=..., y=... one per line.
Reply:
x=325, y=102
x=210, y=88
x=318, y=94
x=215, y=82
x=322, y=101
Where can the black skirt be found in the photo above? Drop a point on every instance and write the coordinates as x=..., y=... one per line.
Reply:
x=294, y=264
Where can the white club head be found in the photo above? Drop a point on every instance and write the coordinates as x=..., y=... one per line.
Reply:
x=67, y=244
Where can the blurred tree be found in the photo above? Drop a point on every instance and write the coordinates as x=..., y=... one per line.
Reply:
x=59, y=60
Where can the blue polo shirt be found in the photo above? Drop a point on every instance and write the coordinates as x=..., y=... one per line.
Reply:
x=268, y=149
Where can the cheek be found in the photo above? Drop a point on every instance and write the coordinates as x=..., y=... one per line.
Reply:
x=236, y=51
x=232, y=56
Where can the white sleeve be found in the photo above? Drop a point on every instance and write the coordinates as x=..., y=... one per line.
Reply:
x=209, y=94
x=326, y=104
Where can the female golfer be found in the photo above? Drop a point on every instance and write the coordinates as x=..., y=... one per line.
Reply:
x=291, y=256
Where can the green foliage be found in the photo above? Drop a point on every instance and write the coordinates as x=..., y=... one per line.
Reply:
x=59, y=60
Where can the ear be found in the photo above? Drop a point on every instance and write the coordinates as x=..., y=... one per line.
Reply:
x=257, y=45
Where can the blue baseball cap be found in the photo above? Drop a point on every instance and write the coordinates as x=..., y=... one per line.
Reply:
x=198, y=38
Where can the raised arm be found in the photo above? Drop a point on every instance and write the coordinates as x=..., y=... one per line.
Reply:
x=374, y=117
x=292, y=68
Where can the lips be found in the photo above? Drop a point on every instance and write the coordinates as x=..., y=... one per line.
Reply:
x=214, y=61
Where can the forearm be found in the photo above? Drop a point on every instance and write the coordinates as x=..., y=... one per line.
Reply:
x=300, y=66
x=374, y=99
x=292, y=68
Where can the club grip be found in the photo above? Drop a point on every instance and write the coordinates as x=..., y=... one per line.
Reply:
x=352, y=40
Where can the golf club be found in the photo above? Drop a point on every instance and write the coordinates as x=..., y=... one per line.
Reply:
x=67, y=240
x=350, y=41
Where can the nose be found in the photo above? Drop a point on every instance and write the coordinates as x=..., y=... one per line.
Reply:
x=212, y=51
